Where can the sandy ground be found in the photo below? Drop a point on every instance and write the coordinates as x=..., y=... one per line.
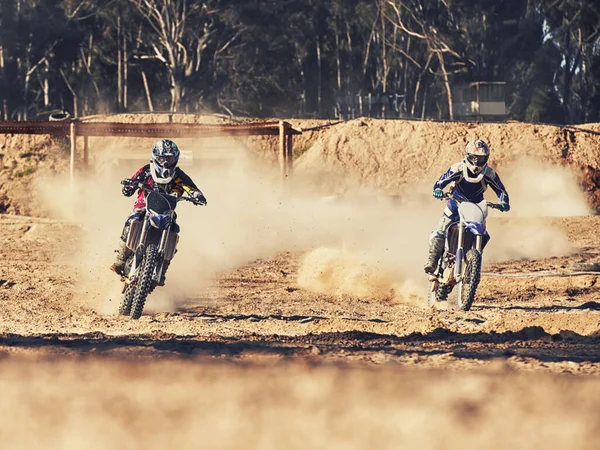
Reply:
x=255, y=361
x=251, y=355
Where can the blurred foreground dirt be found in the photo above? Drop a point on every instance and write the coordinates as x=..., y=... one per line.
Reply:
x=92, y=402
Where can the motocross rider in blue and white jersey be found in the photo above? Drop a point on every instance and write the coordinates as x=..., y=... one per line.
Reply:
x=471, y=178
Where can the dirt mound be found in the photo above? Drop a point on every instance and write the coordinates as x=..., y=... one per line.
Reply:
x=23, y=158
x=388, y=156
x=395, y=156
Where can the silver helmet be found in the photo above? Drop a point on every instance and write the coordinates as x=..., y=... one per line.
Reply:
x=164, y=159
x=477, y=154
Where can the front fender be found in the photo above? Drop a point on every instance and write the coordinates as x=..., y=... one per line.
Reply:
x=476, y=228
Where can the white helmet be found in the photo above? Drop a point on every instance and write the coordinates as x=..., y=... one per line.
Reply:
x=163, y=162
x=477, y=154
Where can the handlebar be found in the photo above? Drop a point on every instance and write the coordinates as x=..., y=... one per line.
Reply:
x=448, y=196
x=146, y=188
x=136, y=184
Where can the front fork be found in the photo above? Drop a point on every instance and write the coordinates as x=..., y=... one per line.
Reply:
x=460, y=252
x=138, y=256
x=140, y=250
x=161, y=253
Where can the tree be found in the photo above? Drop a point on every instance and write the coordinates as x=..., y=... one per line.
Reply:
x=180, y=33
x=574, y=28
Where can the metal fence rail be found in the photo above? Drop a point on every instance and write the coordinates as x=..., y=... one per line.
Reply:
x=76, y=128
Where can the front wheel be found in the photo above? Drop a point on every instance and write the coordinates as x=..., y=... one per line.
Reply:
x=127, y=300
x=469, y=281
x=145, y=284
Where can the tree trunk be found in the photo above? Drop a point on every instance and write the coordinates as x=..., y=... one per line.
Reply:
x=349, y=70
x=303, y=78
x=383, y=55
x=46, y=84
x=73, y=93
x=119, y=68
x=175, y=91
x=147, y=90
x=338, y=62
x=26, y=93
x=125, y=73
x=319, y=76
x=4, y=107
x=418, y=87
x=567, y=86
x=447, y=83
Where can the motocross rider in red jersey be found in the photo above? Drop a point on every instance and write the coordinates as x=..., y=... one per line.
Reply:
x=163, y=174
x=471, y=178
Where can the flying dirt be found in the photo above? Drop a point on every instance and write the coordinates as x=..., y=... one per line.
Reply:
x=316, y=287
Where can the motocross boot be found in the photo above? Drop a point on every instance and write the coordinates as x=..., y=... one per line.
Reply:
x=436, y=249
x=122, y=254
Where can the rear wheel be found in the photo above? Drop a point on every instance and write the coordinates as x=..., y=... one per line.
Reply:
x=145, y=284
x=470, y=280
x=433, y=285
x=442, y=292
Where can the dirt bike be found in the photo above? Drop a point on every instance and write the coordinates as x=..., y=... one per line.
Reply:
x=153, y=244
x=460, y=264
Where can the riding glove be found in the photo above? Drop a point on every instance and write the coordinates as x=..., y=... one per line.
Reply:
x=504, y=207
x=438, y=193
x=128, y=190
x=199, y=197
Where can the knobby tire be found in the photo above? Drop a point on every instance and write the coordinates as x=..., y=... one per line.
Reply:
x=127, y=300
x=471, y=278
x=145, y=284
x=442, y=292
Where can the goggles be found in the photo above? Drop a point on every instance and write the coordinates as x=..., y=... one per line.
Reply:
x=166, y=161
x=478, y=160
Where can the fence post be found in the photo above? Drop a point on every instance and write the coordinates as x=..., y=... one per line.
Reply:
x=73, y=150
x=86, y=152
x=282, y=151
x=290, y=153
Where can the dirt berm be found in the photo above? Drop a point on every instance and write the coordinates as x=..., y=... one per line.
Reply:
x=388, y=156
x=394, y=156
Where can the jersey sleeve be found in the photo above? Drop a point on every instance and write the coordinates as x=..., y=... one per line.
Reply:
x=184, y=182
x=453, y=173
x=493, y=180
x=140, y=172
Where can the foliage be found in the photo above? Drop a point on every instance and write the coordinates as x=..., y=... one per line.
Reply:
x=297, y=57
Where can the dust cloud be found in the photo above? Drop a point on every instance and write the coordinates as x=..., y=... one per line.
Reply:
x=342, y=272
x=360, y=243
x=539, y=189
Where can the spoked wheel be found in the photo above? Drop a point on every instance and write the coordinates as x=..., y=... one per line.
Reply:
x=145, y=284
x=470, y=280
x=127, y=300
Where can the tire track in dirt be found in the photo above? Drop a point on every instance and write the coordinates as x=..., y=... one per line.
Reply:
x=530, y=342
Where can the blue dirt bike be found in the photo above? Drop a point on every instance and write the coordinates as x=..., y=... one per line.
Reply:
x=460, y=264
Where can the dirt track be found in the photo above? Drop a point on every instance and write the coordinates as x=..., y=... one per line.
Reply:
x=255, y=361
x=263, y=298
